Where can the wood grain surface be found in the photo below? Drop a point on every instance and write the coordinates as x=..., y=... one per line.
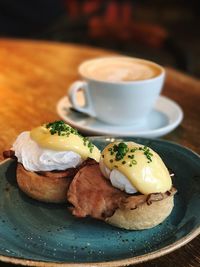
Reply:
x=35, y=75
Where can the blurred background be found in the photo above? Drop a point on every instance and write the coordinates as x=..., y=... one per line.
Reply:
x=167, y=32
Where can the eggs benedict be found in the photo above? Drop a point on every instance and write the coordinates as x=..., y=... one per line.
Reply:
x=48, y=158
x=131, y=187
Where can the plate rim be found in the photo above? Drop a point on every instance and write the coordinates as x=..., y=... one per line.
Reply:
x=115, y=263
x=155, y=133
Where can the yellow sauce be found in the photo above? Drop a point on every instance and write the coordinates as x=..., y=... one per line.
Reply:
x=42, y=136
x=146, y=176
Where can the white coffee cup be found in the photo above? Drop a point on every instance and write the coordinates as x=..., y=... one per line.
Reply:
x=118, y=90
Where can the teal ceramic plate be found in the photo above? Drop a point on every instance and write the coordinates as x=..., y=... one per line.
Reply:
x=38, y=234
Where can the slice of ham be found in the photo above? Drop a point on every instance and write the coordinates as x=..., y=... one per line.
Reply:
x=59, y=174
x=9, y=154
x=93, y=195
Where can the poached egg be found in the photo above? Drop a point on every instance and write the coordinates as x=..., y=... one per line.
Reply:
x=134, y=168
x=53, y=146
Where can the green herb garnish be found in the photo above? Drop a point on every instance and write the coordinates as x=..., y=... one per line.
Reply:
x=134, y=162
x=62, y=129
x=147, y=153
x=120, y=151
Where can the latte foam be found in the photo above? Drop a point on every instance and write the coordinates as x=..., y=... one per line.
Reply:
x=116, y=69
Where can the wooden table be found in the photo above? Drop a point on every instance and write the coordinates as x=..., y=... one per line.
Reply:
x=35, y=75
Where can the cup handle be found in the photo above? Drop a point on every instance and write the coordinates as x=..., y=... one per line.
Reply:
x=73, y=90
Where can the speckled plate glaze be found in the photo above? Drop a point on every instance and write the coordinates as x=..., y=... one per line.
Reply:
x=39, y=234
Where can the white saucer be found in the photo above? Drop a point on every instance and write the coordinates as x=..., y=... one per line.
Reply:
x=165, y=117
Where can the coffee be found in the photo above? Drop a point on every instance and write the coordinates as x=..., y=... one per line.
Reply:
x=118, y=90
x=120, y=69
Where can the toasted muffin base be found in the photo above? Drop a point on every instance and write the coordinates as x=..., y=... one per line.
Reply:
x=42, y=188
x=144, y=216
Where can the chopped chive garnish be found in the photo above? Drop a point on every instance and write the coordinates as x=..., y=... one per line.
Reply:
x=121, y=150
x=62, y=129
x=134, y=162
x=133, y=150
x=147, y=153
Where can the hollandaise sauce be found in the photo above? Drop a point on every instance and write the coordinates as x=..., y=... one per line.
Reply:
x=60, y=136
x=142, y=166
